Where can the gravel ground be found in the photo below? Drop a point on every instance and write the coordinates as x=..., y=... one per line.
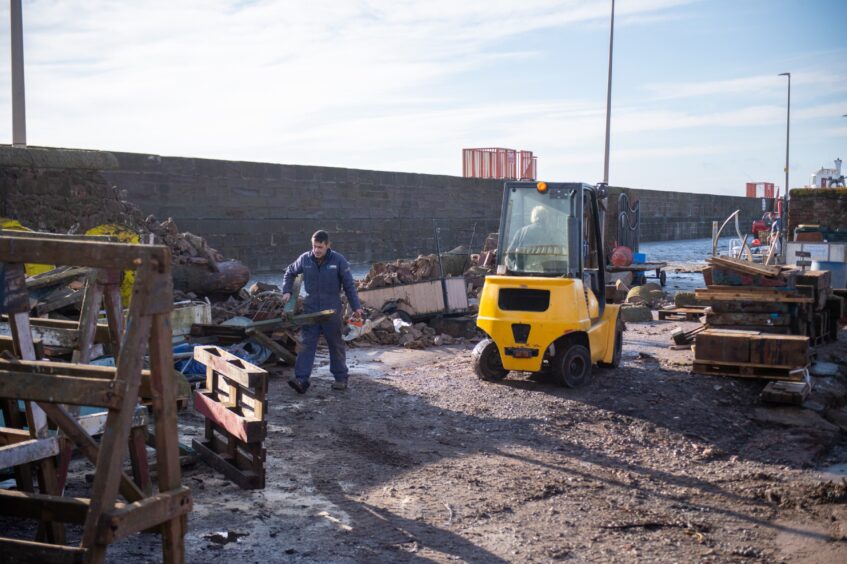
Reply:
x=421, y=461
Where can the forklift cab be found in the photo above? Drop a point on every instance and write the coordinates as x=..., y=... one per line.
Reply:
x=553, y=230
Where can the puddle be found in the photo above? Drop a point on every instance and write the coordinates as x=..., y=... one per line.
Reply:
x=837, y=470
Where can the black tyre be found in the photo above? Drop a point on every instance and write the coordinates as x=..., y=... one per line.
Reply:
x=572, y=366
x=663, y=278
x=486, y=361
x=616, y=358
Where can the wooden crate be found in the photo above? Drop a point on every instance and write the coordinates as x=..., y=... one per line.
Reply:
x=726, y=346
x=234, y=404
x=752, y=347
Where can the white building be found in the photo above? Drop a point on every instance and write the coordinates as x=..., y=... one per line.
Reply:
x=825, y=176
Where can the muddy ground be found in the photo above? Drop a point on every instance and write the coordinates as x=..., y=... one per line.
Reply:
x=421, y=461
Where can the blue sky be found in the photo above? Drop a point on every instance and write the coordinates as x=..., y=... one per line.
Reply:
x=405, y=85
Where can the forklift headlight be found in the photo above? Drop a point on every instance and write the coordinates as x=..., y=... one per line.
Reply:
x=542, y=187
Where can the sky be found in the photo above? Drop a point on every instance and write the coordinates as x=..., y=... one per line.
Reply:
x=404, y=85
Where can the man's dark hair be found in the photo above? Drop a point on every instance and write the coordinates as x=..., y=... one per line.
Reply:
x=320, y=236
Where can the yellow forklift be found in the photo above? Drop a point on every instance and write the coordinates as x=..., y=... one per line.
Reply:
x=545, y=309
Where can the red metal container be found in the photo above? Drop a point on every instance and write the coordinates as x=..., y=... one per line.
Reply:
x=497, y=162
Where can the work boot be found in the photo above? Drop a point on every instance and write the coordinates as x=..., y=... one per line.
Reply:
x=339, y=385
x=299, y=386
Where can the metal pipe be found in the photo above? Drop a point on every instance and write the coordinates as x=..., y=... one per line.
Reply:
x=787, y=145
x=609, y=98
x=18, y=91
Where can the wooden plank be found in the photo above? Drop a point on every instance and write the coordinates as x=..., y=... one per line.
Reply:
x=56, y=276
x=96, y=254
x=715, y=294
x=95, y=423
x=144, y=514
x=234, y=368
x=238, y=426
x=10, y=436
x=745, y=266
x=115, y=316
x=138, y=459
x=15, y=551
x=89, y=448
x=245, y=479
x=88, y=318
x=25, y=452
x=57, y=336
x=742, y=371
x=72, y=390
x=8, y=344
x=62, y=297
x=751, y=307
x=112, y=446
x=28, y=505
x=281, y=352
x=167, y=432
x=747, y=319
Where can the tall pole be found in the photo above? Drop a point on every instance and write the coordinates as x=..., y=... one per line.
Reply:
x=787, y=145
x=18, y=92
x=609, y=98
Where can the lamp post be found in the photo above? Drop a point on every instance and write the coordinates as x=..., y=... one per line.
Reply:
x=18, y=97
x=609, y=98
x=787, y=139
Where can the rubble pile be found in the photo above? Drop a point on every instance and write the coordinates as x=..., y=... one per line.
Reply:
x=401, y=271
x=258, y=303
x=392, y=330
x=186, y=248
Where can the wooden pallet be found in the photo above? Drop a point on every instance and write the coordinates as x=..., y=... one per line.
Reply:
x=747, y=370
x=689, y=313
x=49, y=387
x=234, y=404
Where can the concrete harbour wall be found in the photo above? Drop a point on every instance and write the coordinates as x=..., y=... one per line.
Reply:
x=263, y=214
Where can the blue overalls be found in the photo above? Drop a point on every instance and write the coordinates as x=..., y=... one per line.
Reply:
x=323, y=283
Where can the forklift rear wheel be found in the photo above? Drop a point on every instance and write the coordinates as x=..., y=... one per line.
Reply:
x=616, y=358
x=486, y=361
x=573, y=366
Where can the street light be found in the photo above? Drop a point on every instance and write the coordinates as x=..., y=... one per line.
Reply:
x=609, y=98
x=18, y=98
x=787, y=138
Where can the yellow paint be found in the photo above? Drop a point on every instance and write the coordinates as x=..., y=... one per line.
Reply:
x=568, y=312
x=31, y=269
x=124, y=235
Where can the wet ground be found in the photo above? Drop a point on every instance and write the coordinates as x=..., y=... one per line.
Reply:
x=419, y=461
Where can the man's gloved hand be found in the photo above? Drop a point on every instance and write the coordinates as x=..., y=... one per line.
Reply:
x=285, y=297
x=359, y=313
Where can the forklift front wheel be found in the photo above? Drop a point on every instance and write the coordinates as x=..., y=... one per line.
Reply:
x=486, y=361
x=572, y=366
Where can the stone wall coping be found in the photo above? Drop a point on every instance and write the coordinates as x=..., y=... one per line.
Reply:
x=51, y=157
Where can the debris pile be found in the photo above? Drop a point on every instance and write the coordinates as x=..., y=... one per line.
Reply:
x=186, y=248
x=401, y=271
x=392, y=330
x=197, y=268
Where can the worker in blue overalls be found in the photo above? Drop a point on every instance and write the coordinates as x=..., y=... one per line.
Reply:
x=325, y=272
